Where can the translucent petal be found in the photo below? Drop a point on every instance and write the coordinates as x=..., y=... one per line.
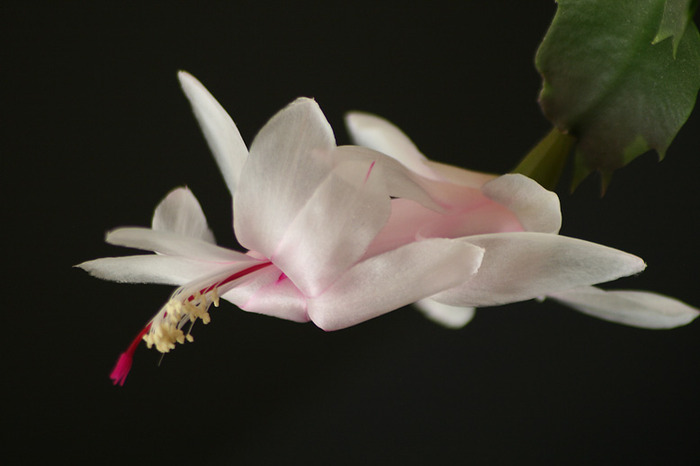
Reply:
x=403, y=183
x=150, y=268
x=165, y=242
x=400, y=181
x=333, y=229
x=537, y=208
x=448, y=316
x=377, y=133
x=521, y=266
x=474, y=215
x=386, y=282
x=219, y=130
x=460, y=176
x=636, y=308
x=180, y=213
x=289, y=159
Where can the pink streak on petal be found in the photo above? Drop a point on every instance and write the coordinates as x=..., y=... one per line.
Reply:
x=370, y=170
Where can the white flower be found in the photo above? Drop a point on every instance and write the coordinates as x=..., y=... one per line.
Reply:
x=340, y=235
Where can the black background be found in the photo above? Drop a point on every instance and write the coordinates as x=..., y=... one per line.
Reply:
x=95, y=132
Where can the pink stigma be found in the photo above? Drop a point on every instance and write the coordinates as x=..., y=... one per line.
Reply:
x=126, y=359
x=121, y=369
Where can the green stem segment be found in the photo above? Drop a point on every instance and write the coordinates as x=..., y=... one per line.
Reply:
x=545, y=162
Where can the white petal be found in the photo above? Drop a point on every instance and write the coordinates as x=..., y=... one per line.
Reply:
x=165, y=242
x=150, y=268
x=400, y=181
x=386, y=282
x=460, y=176
x=377, y=133
x=180, y=213
x=522, y=266
x=219, y=130
x=537, y=208
x=271, y=293
x=333, y=229
x=637, y=308
x=449, y=316
x=289, y=159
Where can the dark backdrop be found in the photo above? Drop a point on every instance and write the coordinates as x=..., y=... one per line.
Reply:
x=96, y=131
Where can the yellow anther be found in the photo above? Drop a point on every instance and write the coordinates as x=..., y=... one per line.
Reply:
x=166, y=330
x=215, y=297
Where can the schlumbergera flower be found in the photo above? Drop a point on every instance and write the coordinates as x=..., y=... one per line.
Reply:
x=506, y=273
x=307, y=211
x=338, y=235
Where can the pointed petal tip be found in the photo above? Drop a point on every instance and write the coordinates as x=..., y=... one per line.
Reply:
x=186, y=79
x=180, y=212
x=305, y=101
x=643, y=264
x=188, y=83
x=356, y=118
x=92, y=268
x=82, y=265
x=636, y=264
x=359, y=122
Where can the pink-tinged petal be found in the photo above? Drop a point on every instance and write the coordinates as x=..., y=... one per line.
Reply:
x=168, y=270
x=377, y=133
x=453, y=317
x=181, y=213
x=403, y=183
x=389, y=281
x=333, y=229
x=405, y=221
x=440, y=196
x=522, y=266
x=636, y=308
x=289, y=159
x=537, y=208
x=173, y=244
x=271, y=293
x=219, y=130
x=474, y=215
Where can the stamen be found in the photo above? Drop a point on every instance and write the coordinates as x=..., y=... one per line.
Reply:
x=187, y=304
